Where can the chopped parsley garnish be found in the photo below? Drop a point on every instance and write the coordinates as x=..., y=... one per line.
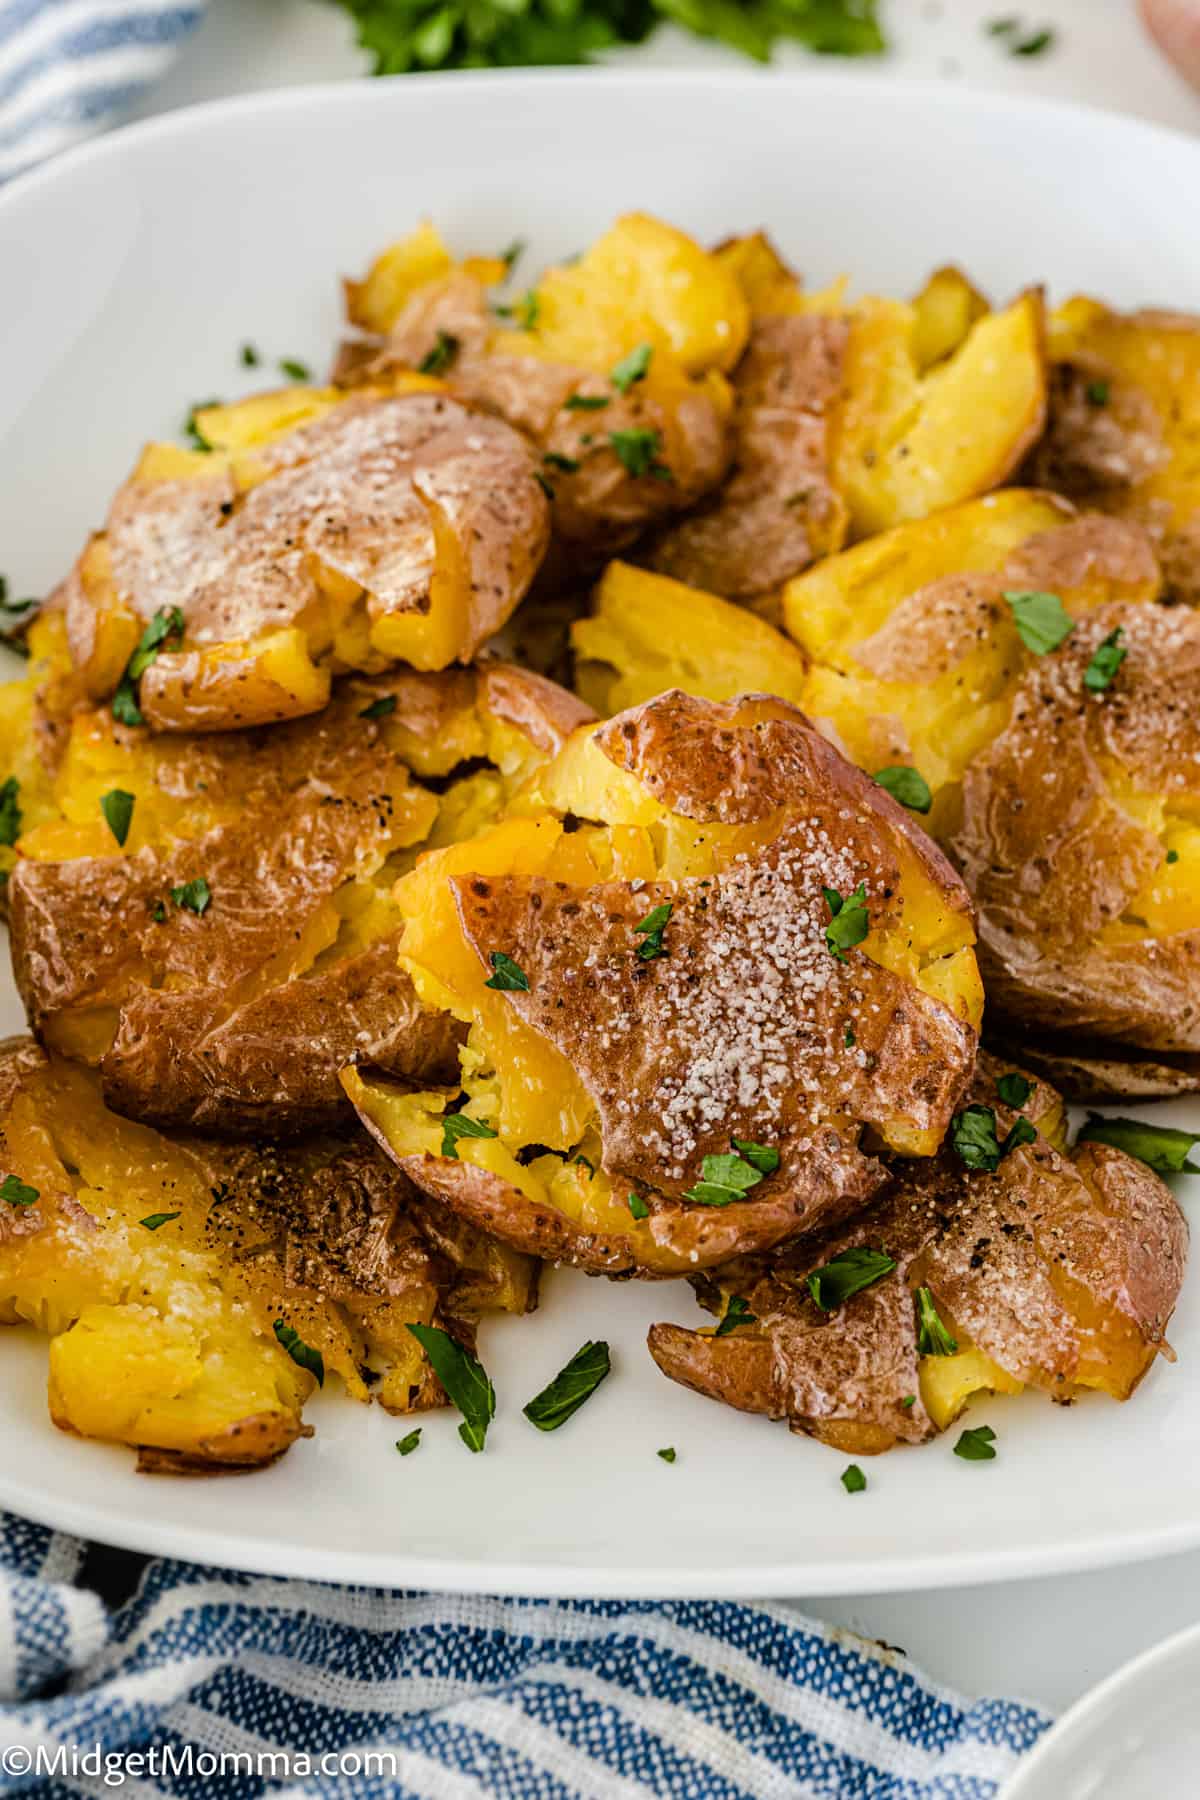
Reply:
x=723, y=1179
x=637, y=452
x=1035, y=43
x=849, y=920
x=632, y=368
x=574, y=1383
x=166, y=623
x=975, y=1444
x=379, y=709
x=441, y=356
x=908, y=1401
x=848, y=1273
x=156, y=1221
x=117, y=807
x=1106, y=660
x=637, y=1206
x=464, y=1379
x=1003, y=27
x=507, y=977
x=566, y=465
x=651, y=931
x=546, y=486
x=736, y=1313
x=1041, y=619
x=932, y=1337
x=1172, y=856
x=588, y=402
x=849, y=1041
x=589, y=1166
x=907, y=785
x=1161, y=1147
x=406, y=1445
x=1097, y=393
x=763, y=1157
x=512, y=256
x=973, y=1135
x=192, y=430
x=523, y=312
x=294, y=369
x=302, y=1354
x=158, y=912
x=10, y=810
x=1014, y=1089
x=853, y=1479
x=195, y=895
x=459, y=1125
x=250, y=357
x=667, y=1455
x=17, y=1192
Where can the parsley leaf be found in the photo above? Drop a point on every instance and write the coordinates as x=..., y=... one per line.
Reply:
x=508, y=978
x=907, y=785
x=853, y=1479
x=848, y=1273
x=17, y=1192
x=637, y=1206
x=723, y=1179
x=379, y=709
x=566, y=465
x=10, y=811
x=166, y=623
x=406, y=1445
x=195, y=895
x=632, y=368
x=975, y=1444
x=192, y=430
x=464, y=1379
x=651, y=930
x=932, y=1337
x=441, y=356
x=574, y=1383
x=156, y=1221
x=1106, y=660
x=117, y=807
x=250, y=357
x=1014, y=1089
x=637, y=452
x=763, y=1157
x=1097, y=393
x=1161, y=1147
x=1035, y=43
x=525, y=311
x=973, y=1136
x=512, y=256
x=587, y=402
x=849, y=920
x=302, y=1354
x=668, y=1455
x=736, y=1313
x=295, y=370
x=1041, y=619
x=459, y=1125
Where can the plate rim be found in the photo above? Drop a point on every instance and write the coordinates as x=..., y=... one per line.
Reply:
x=564, y=1579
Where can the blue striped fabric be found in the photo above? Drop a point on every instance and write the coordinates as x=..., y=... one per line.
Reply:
x=304, y=1688
x=70, y=67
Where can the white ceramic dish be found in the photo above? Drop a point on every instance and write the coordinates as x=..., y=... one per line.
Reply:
x=1134, y=1737
x=133, y=271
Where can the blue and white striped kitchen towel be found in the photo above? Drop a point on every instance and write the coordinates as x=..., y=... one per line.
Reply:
x=213, y=1685
x=70, y=67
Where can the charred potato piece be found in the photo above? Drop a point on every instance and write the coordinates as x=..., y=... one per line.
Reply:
x=641, y=956
x=159, y=1268
x=1124, y=427
x=1087, y=875
x=230, y=944
x=1054, y=1271
x=620, y=450
x=648, y=633
x=317, y=532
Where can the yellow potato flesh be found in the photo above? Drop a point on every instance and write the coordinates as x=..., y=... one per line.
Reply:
x=945, y=310
x=648, y=633
x=948, y=1383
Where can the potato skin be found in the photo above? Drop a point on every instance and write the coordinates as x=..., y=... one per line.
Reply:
x=1063, y=1270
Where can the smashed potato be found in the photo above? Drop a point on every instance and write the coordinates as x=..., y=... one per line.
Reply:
x=1053, y=1271
x=171, y=1275
x=208, y=920
x=314, y=532
x=648, y=959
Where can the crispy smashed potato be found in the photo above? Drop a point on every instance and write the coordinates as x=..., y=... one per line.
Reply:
x=160, y=1269
x=646, y=959
x=1053, y=1271
x=223, y=943
x=623, y=442
x=315, y=532
x=1124, y=427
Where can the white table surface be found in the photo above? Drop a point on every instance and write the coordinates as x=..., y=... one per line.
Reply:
x=1045, y=1640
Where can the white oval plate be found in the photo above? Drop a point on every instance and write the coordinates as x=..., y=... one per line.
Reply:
x=133, y=271
x=1134, y=1737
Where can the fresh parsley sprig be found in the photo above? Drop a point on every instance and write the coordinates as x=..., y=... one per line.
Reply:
x=574, y=1383
x=465, y=1380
